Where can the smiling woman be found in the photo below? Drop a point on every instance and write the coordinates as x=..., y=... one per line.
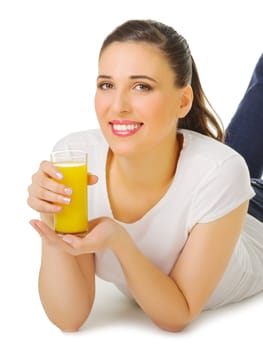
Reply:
x=143, y=97
x=169, y=220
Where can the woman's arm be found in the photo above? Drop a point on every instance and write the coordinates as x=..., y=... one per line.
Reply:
x=174, y=301
x=66, y=282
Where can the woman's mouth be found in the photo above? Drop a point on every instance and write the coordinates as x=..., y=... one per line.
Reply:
x=125, y=127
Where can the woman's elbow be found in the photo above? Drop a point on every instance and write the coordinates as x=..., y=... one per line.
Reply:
x=69, y=326
x=67, y=323
x=171, y=327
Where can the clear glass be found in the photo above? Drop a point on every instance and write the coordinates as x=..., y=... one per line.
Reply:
x=73, y=165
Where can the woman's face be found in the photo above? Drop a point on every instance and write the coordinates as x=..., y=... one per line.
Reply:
x=136, y=102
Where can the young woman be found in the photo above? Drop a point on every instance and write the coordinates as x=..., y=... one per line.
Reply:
x=169, y=225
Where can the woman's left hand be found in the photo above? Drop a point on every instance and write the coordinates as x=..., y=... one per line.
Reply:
x=104, y=233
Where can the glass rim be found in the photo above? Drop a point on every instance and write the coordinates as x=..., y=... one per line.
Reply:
x=80, y=155
x=69, y=150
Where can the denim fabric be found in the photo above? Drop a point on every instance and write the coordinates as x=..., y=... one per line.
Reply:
x=256, y=203
x=245, y=135
x=245, y=131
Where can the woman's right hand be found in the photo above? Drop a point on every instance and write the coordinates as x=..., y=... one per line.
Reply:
x=46, y=194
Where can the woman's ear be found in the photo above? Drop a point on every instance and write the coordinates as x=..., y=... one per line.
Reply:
x=186, y=101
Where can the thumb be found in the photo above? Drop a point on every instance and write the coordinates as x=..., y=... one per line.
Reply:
x=92, y=179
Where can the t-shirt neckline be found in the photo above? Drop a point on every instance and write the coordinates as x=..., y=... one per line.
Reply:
x=170, y=191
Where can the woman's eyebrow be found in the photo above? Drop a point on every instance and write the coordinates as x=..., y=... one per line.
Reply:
x=143, y=77
x=103, y=76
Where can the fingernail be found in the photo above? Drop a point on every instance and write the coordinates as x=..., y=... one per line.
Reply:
x=35, y=224
x=57, y=209
x=66, y=200
x=68, y=191
x=32, y=223
x=67, y=239
x=59, y=176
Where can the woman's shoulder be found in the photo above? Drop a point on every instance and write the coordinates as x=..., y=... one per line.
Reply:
x=83, y=140
x=221, y=178
x=205, y=149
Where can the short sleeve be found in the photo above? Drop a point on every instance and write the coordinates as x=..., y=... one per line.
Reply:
x=71, y=141
x=83, y=140
x=223, y=189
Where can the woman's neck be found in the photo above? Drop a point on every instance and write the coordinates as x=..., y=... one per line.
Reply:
x=152, y=170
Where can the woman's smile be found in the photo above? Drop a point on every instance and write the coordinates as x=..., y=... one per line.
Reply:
x=125, y=128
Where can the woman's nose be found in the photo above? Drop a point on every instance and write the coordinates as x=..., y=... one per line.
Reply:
x=121, y=101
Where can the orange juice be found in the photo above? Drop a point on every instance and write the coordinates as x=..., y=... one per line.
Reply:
x=74, y=216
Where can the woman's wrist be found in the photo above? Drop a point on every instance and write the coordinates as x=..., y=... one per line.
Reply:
x=121, y=241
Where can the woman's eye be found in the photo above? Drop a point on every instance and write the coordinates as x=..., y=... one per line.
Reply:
x=143, y=87
x=105, y=86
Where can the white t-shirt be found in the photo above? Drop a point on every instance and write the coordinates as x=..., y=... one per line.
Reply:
x=211, y=180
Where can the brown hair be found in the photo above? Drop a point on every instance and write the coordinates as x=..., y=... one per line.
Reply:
x=201, y=118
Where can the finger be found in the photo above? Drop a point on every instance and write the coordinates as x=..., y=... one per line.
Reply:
x=42, y=206
x=54, y=197
x=73, y=241
x=92, y=179
x=34, y=225
x=47, y=189
x=52, y=185
x=79, y=245
x=50, y=169
x=43, y=230
x=51, y=236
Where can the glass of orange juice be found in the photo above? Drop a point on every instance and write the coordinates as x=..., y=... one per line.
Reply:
x=73, y=166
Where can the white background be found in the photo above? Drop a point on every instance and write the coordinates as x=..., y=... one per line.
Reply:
x=48, y=67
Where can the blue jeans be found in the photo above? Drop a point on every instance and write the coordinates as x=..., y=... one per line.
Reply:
x=245, y=135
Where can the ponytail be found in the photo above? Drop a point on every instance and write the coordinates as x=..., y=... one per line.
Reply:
x=200, y=118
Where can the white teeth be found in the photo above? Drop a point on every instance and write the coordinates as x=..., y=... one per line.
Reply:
x=125, y=127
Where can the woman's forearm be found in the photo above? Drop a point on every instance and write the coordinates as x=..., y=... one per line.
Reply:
x=66, y=287
x=156, y=293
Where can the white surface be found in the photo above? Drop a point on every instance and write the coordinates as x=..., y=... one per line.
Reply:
x=116, y=323
x=47, y=80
